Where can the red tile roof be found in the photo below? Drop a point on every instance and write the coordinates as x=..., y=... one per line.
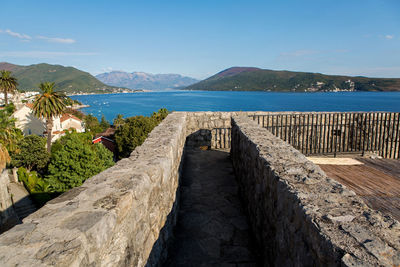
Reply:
x=67, y=116
x=29, y=105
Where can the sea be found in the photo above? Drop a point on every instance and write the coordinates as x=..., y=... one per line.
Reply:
x=145, y=103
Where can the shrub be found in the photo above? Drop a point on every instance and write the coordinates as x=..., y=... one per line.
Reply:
x=76, y=159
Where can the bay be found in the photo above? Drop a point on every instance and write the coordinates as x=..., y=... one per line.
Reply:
x=145, y=103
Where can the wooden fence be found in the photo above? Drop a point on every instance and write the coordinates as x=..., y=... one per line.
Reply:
x=332, y=133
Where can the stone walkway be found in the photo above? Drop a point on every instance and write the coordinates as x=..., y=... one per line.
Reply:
x=212, y=229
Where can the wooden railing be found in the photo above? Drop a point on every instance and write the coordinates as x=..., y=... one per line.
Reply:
x=333, y=133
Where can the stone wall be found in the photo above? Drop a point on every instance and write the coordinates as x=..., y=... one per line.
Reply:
x=212, y=129
x=120, y=217
x=8, y=217
x=301, y=217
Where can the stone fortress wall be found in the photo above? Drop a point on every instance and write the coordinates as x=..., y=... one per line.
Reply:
x=125, y=215
x=300, y=216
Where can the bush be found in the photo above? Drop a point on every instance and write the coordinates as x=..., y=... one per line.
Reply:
x=32, y=181
x=75, y=159
x=135, y=130
x=32, y=153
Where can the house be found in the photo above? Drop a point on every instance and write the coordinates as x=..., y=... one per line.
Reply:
x=107, y=139
x=29, y=124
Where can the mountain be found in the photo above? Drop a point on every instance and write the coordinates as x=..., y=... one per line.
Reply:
x=67, y=79
x=255, y=79
x=147, y=81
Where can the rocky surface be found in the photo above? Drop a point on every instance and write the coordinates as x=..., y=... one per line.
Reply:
x=212, y=228
x=302, y=217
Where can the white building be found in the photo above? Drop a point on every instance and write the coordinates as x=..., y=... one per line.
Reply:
x=29, y=124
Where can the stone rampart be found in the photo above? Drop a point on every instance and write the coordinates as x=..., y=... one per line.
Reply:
x=301, y=217
x=212, y=129
x=120, y=217
x=8, y=217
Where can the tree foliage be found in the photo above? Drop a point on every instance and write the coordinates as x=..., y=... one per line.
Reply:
x=92, y=124
x=8, y=84
x=76, y=159
x=135, y=130
x=10, y=135
x=32, y=153
x=118, y=120
x=33, y=182
x=104, y=124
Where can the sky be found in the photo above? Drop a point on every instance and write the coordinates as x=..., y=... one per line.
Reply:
x=201, y=38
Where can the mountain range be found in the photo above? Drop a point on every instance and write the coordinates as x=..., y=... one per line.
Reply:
x=146, y=81
x=67, y=79
x=255, y=79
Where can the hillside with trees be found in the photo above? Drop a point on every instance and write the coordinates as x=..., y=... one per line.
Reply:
x=255, y=79
x=67, y=79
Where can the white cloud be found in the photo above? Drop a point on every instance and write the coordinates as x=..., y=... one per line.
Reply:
x=57, y=40
x=43, y=54
x=21, y=36
x=25, y=37
x=389, y=37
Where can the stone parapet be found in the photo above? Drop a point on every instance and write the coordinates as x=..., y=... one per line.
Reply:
x=120, y=217
x=300, y=216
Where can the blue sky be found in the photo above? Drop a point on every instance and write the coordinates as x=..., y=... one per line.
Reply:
x=200, y=38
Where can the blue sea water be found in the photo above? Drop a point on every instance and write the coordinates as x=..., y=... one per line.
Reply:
x=131, y=104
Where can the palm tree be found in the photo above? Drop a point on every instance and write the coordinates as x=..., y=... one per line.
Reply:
x=9, y=134
x=48, y=105
x=8, y=83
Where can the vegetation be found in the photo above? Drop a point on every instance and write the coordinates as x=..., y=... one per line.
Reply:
x=8, y=84
x=74, y=159
x=48, y=105
x=77, y=113
x=71, y=102
x=135, y=130
x=92, y=124
x=254, y=79
x=9, y=135
x=32, y=153
x=104, y=124
x=32, y=181
x=119, y=121
x=67, y=79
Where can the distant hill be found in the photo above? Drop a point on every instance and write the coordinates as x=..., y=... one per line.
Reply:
x=67, y=79
x=147, y=81
x=255, y=79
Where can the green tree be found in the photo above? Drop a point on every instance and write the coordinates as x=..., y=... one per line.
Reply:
x=10, y=135
x=32, y=153
x=135, y=130
x=118, y=121
x=104, y=124
x=76, y=160
x=132, y=134
x=92, y=124
x=48, y=105
x=8, y=83
x=160, y=114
